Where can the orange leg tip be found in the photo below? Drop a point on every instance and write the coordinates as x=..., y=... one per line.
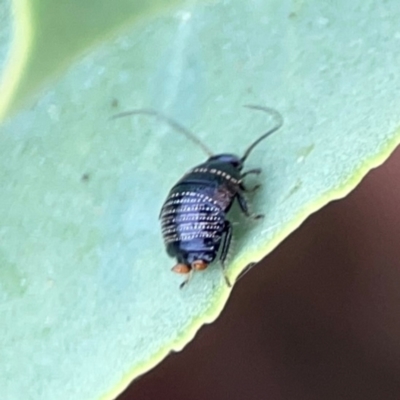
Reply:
x=181, y=269
x=199, y=265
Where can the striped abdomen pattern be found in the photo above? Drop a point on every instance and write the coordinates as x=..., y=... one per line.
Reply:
x=187, y=215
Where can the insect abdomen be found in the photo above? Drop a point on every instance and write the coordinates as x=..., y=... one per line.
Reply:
x=191, y=220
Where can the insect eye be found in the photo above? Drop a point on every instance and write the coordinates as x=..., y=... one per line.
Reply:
x=237, y=164
x=232, y=159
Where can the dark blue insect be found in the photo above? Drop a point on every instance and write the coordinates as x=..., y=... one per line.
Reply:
x=194, y=216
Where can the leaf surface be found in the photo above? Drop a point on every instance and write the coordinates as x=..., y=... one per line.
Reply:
x=87, y=299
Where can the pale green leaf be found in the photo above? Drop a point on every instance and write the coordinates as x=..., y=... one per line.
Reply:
x=87, y=299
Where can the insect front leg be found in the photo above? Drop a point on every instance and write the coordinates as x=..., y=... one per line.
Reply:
x=245, y=208
x=256, y=171
x=226, y=242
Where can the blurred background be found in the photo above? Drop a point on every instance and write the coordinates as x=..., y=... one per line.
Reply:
x=319, y=318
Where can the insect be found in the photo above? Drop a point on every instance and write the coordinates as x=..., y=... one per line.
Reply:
x=193, y=217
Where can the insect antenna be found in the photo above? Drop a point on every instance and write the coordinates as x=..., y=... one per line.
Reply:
x=279, y=122
x=172, y=123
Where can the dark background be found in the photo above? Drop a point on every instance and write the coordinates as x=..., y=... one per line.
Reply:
x=318, y=319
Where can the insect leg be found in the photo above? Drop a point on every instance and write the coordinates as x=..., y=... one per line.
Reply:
x=251, y=171
x=247, y=190
x=227, y=237
x=185, y=282
x=245, y=209
x=255, y=171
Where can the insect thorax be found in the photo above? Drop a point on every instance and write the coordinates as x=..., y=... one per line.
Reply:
x=214, y=172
